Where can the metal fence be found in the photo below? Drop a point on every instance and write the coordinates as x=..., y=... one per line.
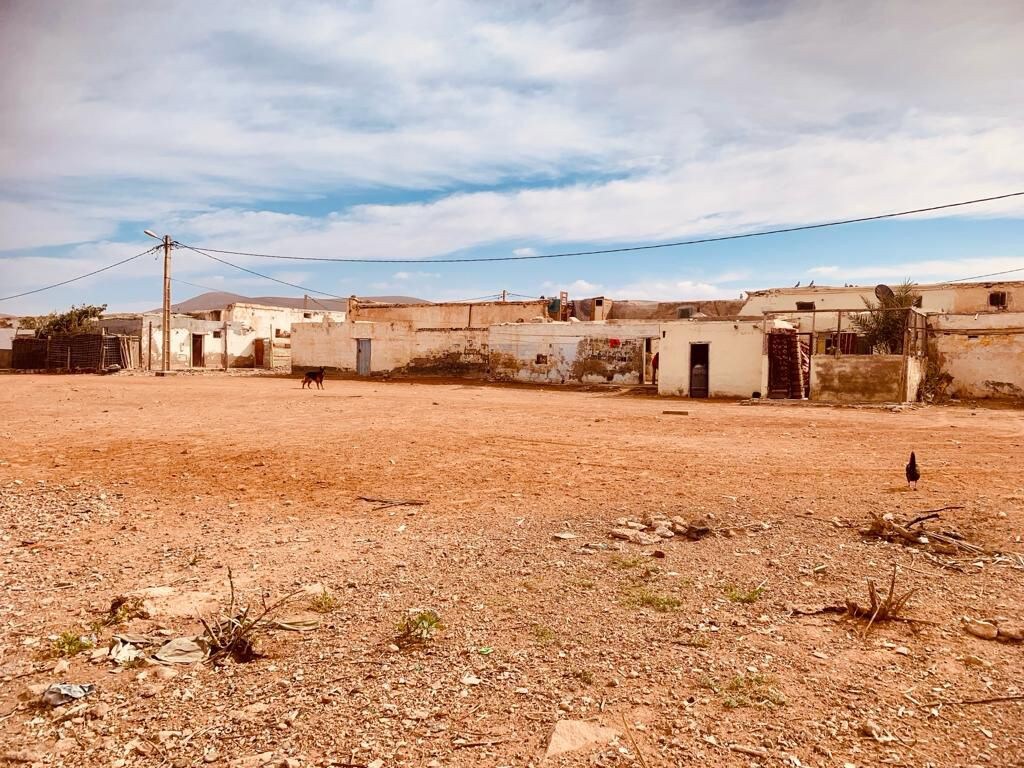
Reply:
x=82, y=352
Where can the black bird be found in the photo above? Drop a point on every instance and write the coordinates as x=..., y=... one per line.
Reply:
x=913, y=473
x=797, y=284
x=810, y=284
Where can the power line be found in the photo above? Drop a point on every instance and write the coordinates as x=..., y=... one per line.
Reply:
x=626, y=249
x=990, y=274
x=260, y=274
x=80, y=277
x=196, y=285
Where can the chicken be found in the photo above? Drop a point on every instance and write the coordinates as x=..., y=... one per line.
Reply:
x=913, y=473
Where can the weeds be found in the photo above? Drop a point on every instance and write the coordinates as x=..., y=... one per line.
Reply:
x=123, y=609
x=643, y=598
x=543, y=635
x=625, y=563
x=695, y=641
x=418, y=627
x=737, y=595
x=585, y=676
x=324, y=602
x=70, y=643
x=233, y=633
x=753, y=690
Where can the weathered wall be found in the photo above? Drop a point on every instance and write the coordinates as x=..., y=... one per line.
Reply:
x=149, y=329
x=983, y=353
x=857, y=378
x=917, y=367
x=456, y=352
x=333, y=345
x=5, y=358
x=437, y=316
x=560, y=353
x=734, y=356
x=937, y=297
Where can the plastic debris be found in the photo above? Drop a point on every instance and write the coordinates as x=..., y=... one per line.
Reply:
x=180, y=650
x=59, y=694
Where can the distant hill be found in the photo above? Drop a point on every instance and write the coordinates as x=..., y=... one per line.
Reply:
x=220, y=299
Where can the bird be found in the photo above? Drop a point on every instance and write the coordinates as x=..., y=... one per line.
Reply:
x=810, y=284
x=797, y=284
x=913, y=473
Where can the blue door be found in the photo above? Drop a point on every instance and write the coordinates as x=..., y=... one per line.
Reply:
x=363, y=357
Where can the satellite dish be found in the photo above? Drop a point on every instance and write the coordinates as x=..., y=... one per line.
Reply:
x=884, y=293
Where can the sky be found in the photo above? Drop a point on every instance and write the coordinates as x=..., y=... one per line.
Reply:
x=419, y=130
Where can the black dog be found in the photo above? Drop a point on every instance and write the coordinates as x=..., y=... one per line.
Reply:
x=312, y=377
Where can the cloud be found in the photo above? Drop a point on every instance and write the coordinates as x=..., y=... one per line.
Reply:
x=415, y=275
x=932, y=270
x=823, y=270
x=671, y=290
x=524, y=252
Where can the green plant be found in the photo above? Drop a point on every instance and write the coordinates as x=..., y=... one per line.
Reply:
x=644, y=598
x=884, y=330
x=752, y=690
x=585, y=676
x=70, y=643
x=75, y=320
x=737, y=595
x=418, y=627
x=324, y=602
x=935, y=387
x=624, y=563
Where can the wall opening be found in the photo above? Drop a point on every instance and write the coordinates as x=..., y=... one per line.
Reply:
x=997, y=299
x=197, y=351
x=699, y=370
x=805, y=306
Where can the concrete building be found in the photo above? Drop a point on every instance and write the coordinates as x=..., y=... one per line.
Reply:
x=712, y=358
x=600, y=352
x=942, y=298
x=447, y=339
x=195, y=342
x=983, y=353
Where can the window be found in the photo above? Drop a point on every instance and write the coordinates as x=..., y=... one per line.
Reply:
x=216, y=334
x=997, y=299
x=542, y=359
x=598, y=302
x=307, y=315
x=805, y=306
x=684, y=313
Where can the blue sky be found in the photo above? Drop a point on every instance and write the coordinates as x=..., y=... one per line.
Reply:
x=420, y=130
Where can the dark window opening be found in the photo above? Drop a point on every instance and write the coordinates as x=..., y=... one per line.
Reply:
x=307, y=315
x=997, y=299
x=684, y=313
x=216, y=334
x=805, y=306
x=542, y=359
x=972, y=338
x=598, y=302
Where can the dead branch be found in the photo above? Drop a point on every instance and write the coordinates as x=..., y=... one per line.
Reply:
x=969, y=702
x=636, y=747
x=881, y=609
x=231, y=634
x=942, y=542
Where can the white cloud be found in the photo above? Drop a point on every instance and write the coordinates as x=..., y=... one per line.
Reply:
x=415, y=275
x=524, y=252
x=671, y=290
x=932, y=270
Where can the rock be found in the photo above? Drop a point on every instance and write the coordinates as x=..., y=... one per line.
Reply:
x=664, y=533
x=165, y=673
x=378, y=763
x=564, y=536
x=418, y=714
x=634, y=536
x=98, y=711
x=180, y=650
x=470, y=679
x=982, y=629
x=61, y=667
x=150, y=690
x=574, y=735
x=252, y=761
x=976, y=661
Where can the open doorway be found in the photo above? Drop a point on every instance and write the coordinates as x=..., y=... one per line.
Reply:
x=699, y=369
x=198, y=361
x=649, y=369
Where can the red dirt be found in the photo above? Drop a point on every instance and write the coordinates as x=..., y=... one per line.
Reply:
x=128, y=483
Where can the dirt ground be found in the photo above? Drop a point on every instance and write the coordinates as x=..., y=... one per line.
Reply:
x=118, y=485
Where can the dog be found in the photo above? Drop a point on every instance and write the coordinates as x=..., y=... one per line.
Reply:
x=314, y=377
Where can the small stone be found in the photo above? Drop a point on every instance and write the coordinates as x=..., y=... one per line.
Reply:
x=151, y=690
x=378, y=763
x=165, y=673
x=210, y=755
x=470, y=679
x=564, y=536
x=574, y=735
x=663, y=532
x=902, y=650
x=98, y=711
x=976, y=661
x=418, y=714
x=61, y=667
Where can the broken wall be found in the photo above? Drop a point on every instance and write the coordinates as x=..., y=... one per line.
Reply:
x=984, y=353
x=449, y=316
x=734, y=356
x=572, y=352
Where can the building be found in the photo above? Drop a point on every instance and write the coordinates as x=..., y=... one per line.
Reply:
x=449, y=339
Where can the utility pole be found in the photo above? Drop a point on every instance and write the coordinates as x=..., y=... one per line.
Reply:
x=165, y=357
x=167, y=305
x=504, y=295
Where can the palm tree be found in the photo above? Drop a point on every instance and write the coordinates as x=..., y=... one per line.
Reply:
x=884, y=330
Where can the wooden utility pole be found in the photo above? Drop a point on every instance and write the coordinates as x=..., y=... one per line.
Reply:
x=166, y=364
x=504, y=295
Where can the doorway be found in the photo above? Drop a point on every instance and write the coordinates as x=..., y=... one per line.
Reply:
x=198, y=361
x=651, y=361
x=363, y=357
x=700, y=356
x=257, y=353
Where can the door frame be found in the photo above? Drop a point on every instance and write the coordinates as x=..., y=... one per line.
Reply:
x=202, y=350
x=707, y=365
x=361, y=363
